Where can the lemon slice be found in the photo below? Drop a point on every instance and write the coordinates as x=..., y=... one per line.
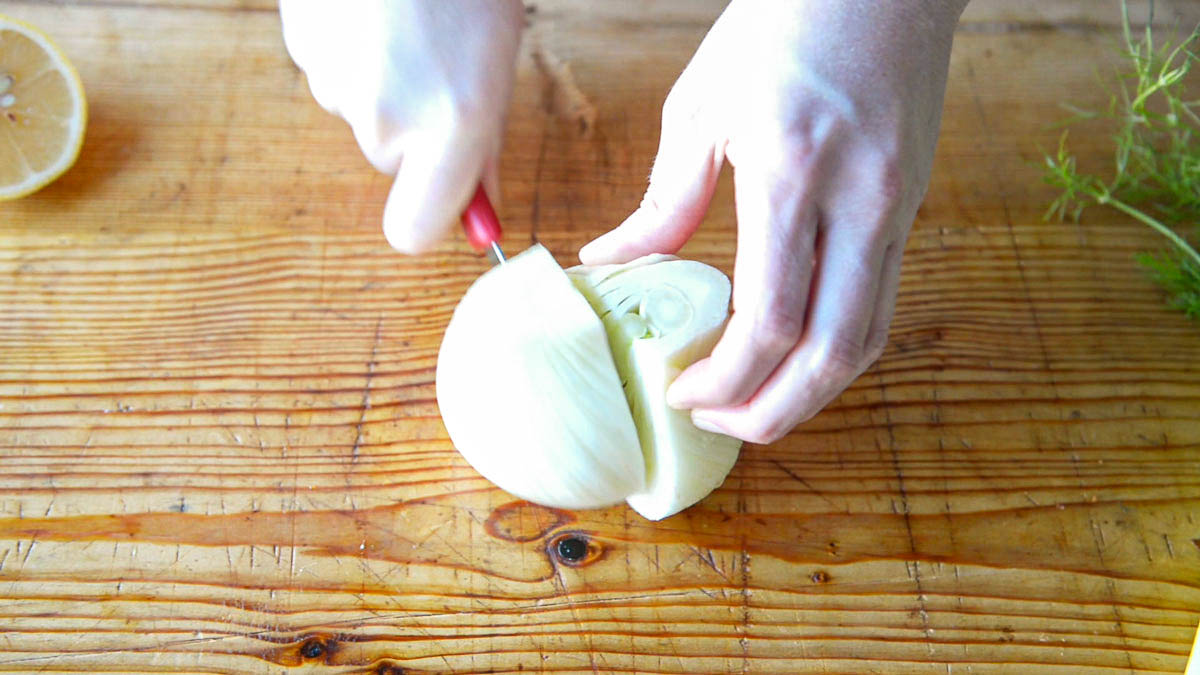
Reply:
x=43, y=111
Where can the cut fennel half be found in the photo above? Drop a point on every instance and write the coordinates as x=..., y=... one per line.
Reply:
x=661, y=315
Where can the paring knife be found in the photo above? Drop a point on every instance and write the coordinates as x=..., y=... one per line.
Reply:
x=482, y=226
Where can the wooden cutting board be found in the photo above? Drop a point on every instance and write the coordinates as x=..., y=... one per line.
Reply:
x=220, y=449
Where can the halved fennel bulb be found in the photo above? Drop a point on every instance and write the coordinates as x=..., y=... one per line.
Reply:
x=662, y=315
x=552, y=385
x=528, y=391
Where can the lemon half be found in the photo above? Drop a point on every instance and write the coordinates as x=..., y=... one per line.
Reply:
x=43, y=111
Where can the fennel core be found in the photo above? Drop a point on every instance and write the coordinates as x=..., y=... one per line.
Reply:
x=1156, y=159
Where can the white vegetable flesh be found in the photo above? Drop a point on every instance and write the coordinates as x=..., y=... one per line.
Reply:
x=560, y=399
x=662, y=314
x=528, y=391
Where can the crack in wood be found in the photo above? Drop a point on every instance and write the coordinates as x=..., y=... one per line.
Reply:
x=366, y=394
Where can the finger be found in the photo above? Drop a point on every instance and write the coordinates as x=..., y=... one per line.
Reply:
x=681, y=187
x=292, y=18
x=380, y=137
x=491, y=179
x=436, y=180
x=832, y=353
x=777, y=224
x=298, y=20
x=885, y=302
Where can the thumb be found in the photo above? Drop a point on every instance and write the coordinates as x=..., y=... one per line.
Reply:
x=432, y=187
x=681, y=188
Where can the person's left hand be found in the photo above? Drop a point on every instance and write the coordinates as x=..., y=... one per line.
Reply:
x=828, y=110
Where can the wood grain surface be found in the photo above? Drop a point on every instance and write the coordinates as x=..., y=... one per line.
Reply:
x=220, y=450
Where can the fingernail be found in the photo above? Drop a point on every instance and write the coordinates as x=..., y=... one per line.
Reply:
x=585, y=252
x=707, y=424
x=676, y=398
x=593, y=250
x=681, y=395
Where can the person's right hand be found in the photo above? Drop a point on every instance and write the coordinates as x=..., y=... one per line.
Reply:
x=425, y=87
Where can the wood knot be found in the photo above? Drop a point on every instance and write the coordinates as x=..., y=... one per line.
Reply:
x=571, y=548
x=287, y=652
x=314, y=648
x=574, y=549
x=389, y=669
x=820, y=577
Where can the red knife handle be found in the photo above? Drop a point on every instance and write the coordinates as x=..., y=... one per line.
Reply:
x=480, y=222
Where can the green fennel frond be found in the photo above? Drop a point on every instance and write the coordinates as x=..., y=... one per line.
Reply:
x=1156, y=160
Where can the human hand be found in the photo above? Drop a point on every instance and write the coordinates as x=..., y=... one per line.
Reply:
x=425, y=87
x=828, y=111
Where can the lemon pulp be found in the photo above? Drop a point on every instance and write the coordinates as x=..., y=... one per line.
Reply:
x=43, y=111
